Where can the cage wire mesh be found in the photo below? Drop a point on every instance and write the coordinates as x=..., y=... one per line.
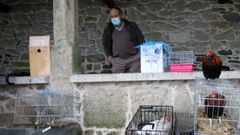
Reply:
x=45, y=108
x=217, y=107
x=152, y=120
x=182, y=57
x=184, y=123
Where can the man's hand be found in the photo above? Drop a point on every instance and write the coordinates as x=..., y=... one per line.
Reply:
x=109, y=59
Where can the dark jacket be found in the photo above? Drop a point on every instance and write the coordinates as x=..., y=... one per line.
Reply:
x=135, y=33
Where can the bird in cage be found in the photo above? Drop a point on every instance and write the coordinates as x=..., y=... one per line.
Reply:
x=211, y=65
x=214, y=106
x=156, y=127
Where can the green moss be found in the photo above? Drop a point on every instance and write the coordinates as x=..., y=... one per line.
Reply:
x=20, y=63
x=21, y=70
x=90, y=19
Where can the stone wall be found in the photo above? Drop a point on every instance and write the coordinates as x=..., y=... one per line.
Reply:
x=107, y=108
x=187, y=25
x=26, y=18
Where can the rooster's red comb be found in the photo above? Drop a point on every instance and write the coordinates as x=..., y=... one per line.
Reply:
x=210, y=52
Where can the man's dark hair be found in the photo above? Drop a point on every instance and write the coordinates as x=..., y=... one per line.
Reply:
x=117, y=8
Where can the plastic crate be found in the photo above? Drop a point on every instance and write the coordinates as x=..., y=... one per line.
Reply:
x=152, y=120
x=181, y=61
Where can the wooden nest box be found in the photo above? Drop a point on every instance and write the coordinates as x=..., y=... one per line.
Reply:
x=39, y=55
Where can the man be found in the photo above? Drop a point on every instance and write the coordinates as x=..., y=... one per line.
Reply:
x=120, y=37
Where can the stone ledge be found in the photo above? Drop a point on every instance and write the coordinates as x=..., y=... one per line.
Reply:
x=26, y=80
x=136, y=77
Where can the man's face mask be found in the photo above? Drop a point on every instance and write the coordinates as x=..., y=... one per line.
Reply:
x=116, y=21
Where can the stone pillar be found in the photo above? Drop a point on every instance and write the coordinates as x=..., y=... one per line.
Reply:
x=65, y=22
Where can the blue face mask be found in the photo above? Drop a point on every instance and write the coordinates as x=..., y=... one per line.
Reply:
x=116, y=21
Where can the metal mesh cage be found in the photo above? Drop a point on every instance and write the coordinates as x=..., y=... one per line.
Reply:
x=151, y=120
x=45, y=108
x=217, y=107
x=182, y=57
x=184, y=123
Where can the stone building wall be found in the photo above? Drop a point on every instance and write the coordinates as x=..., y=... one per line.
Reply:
x=26, y=18
x=187, y=25
x=108, y=108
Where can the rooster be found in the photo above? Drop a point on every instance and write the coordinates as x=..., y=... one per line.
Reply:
x=214, y=105
x=156, y=127
x=211, y=65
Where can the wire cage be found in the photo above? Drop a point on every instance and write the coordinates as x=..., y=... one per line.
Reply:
x=152, y=120
x=217, y=107
x=181, y=61
x=45, y=108
x=184, y=123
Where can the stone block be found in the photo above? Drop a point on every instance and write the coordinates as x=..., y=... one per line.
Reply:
x=89, y=67
x=41, y=17
x=215, y=46
x=39, y=29
x=155, y=6
x=179, y=6
x=200, y=47
x=232, y=17
x=207, y=15
x=150, y=17
x=97, y=67
x=200, y=25
x=93, y=34
x=234, y=44
x=134, y=16
x=163, y=26
x=94, y=11
x=180, y=37
x=95, y=58
x=142, y=9
x=197, y=5
x=104, y=106
x=186, y=16
x=220, y=25
x=90, y=25
x=84, y=5
x=228, y=35
x=201, y=36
